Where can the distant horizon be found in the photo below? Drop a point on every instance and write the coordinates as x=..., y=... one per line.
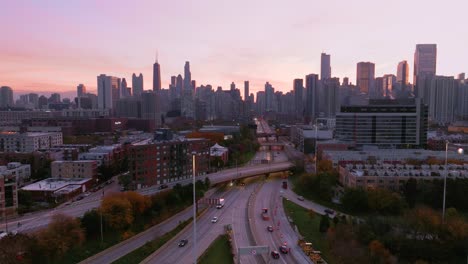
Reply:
x=54, y=47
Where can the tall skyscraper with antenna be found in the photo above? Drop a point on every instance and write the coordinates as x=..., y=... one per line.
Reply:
x=156, y=75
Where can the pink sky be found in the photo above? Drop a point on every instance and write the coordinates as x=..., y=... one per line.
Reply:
x=55, y=45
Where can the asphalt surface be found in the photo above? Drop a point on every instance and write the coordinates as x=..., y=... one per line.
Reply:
x=207, y=232
x=270, y=197
x=34, y=221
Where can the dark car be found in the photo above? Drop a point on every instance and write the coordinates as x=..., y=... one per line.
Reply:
x=183, y=242
x=270, y=228
x=329, y=211
x=275, y=254
x=164, y=186
x=284, y=249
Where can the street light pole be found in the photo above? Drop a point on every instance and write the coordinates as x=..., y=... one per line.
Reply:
x=102, y=232
x=194, y=211
x=445, y=181
x=315, y=147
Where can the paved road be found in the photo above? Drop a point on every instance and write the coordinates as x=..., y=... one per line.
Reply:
x=117, y=251
x=270, y=197
x=207, y=231
x=292, y=196
x=34, y=221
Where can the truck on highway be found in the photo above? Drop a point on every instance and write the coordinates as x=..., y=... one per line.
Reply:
x=285, y=184
x=265, y=216
x=221, y=203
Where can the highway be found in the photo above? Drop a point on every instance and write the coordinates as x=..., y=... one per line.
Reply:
x=270, y=197
x=207, y=232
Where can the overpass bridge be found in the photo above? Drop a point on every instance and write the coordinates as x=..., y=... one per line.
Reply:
x=275, y=146
x=230, y=175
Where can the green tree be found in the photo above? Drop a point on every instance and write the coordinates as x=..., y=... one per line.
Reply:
x=125, y=180
x=355, y=200
x=207, y=183
x=385, y=201
x=324, y=224
x=410, y=191
x=91, y=222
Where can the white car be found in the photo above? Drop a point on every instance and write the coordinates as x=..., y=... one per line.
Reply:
x=214, y=220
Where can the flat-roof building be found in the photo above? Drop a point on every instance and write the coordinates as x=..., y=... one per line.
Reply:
x=74, y=169
x=394, y=176
x=53, y=189
x=396, y=123
x=29, y=141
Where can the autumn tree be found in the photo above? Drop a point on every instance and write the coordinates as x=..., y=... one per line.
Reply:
x=16, y=249
x=117, y=211
x=138, y=202
x=385, y=201
x=345, y=247
x=379, y=254
x=61, y=235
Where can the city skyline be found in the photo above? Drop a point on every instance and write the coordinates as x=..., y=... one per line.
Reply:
x=58, y=60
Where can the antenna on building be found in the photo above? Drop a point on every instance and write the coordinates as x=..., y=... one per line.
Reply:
x=156, y=55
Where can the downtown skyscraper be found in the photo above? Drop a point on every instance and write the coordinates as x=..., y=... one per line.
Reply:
x=403, y=73
x=187, y=76
x=246, y=90
x=325, y=67
x=425, y=61
x=108, y=91
x=137, y=85
x=156, y=76
x=365, y=78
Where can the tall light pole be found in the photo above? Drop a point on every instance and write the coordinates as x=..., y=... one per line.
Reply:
x=102, y=232
x=445, y=180
x=460, y=151
x=315, y=146
x=194, y=210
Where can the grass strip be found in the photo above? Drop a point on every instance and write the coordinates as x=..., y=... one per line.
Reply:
x=307, y=223
x=144, y=251
x=218, y=252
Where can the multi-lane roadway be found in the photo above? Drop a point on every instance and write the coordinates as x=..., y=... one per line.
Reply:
x=232, y=213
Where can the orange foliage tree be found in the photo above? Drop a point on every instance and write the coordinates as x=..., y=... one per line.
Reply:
x=62, y=234
x=117, y=210
x=138, y=202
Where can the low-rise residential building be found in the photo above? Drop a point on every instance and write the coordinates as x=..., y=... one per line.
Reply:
x=74, y=169
x=394, y=176
x=21, y=172
x=388, y=155
x=8, y=196
x=159, y=162
x=218, y=151
x=105, y=155
x=15, y=117
x=29, y=141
